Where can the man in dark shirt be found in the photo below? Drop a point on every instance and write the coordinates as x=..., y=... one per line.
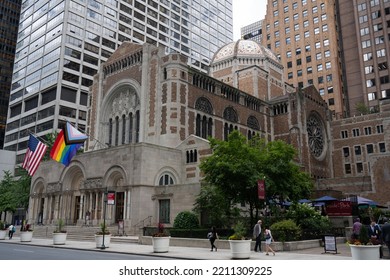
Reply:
x=386, y=233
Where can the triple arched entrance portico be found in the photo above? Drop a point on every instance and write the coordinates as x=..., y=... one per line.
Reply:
x=78, y=200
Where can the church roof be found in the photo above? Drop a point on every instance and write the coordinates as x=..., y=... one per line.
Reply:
x=243, y=48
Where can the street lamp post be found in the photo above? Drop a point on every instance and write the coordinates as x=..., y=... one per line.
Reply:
x=104, y=217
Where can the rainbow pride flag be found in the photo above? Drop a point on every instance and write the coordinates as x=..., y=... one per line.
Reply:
x=61, y=152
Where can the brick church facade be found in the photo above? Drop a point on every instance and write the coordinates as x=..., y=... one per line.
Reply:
x=149, y=120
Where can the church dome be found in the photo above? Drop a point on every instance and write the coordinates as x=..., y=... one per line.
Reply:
x=243, y=49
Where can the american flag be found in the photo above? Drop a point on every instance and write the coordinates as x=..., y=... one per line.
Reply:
x=35, y=151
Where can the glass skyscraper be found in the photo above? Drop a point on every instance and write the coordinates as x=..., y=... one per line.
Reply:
x=9, y=21
x=61, y=45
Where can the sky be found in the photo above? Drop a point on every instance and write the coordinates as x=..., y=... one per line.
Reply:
x=246, y=12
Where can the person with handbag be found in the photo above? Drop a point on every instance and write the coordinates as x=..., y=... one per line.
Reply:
x=212, y=238
x=268, y=240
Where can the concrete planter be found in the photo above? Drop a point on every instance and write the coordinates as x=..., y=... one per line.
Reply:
x=99, y=240
x=365, y=252
x=3, y=234
x=240, y=249
x=26, y=236
x=59, y=238
x=160, y=244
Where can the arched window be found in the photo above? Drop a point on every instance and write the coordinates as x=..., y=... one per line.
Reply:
x=204, y=123
x=137, y=121
x=131, y=119
x=165, y=180
x=116, y=130
x=110, y=132
x=253, y=123
x=230, y=115
x=123, y=129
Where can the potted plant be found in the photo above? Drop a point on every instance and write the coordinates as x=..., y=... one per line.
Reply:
x=103, y=237
x=3, y=231
x=59, y=234
x=240, y=246
x=362, y=248
x=160, y=240
x=26, y=232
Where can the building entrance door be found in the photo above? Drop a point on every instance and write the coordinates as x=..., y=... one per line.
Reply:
x=120, y=206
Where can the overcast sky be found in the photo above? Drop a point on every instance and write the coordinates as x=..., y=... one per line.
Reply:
x=246, y=12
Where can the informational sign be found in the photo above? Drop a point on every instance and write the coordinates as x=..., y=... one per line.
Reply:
x=110, y=198
x=339, y=208
x=261, y=189
x=330, y=244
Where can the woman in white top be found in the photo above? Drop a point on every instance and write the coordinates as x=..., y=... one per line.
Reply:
x=268, y=240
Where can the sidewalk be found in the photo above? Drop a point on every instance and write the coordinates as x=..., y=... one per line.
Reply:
x=191, y=253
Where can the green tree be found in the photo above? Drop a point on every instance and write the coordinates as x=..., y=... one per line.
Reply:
x=213, y=205
x=284, y=178
x=8, y=199
x=235, y=166
x=14, y=191
x=22, y=189
x=362, y=108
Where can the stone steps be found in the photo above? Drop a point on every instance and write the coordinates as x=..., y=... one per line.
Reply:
x=80, y=233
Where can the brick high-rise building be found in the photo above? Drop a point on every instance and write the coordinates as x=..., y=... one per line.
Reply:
x=365, y=28
x=304, y=34
x=61, y=45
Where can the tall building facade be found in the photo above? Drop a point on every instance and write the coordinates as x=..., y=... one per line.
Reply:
x=365, y=33
x=304, y=34
x=61, y=45
x=9, y=21
x=253, y=31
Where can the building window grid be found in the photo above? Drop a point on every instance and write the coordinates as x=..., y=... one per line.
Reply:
x=356, y=132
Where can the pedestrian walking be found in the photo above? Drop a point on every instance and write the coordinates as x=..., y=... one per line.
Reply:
x=213, y=235
x=268, y=240
x=257, y=235
x=386, y=233
x=11, y=230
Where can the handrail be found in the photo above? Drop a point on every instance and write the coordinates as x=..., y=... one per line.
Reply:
x=143, y=222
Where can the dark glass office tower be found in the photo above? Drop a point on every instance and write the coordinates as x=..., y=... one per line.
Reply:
x=9, y=20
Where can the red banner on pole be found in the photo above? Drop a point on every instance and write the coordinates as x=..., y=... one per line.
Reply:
x=261, y=189
x=111, y=198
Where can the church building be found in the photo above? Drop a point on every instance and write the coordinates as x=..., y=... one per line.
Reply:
x=149, y=120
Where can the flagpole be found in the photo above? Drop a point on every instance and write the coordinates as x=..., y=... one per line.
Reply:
x=39, y=137
x=89, y=136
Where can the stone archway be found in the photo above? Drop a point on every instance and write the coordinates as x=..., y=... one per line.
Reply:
x=115, y=182
x=69, y=203
x=37, y=202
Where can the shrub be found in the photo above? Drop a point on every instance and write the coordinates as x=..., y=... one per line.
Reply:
x=186, y=220
x=311, y=222
x=60, y=227
x=286, y=230
x=239, y=231
x=2, y=225
x=160, y=231
x=103, y=230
